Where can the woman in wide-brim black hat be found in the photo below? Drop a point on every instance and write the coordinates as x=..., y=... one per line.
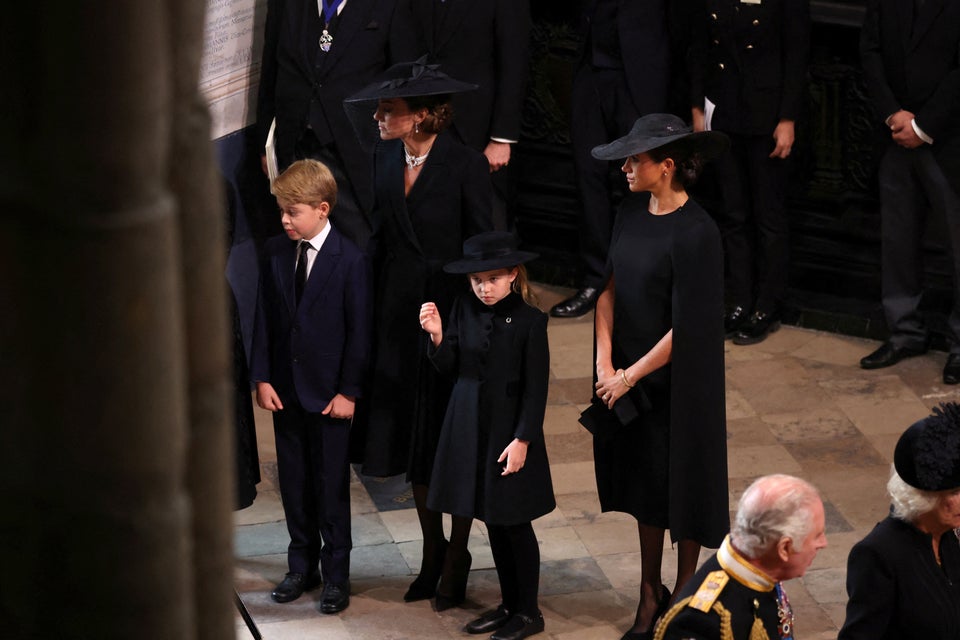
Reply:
x=903, y=578
x=659, y=344
x=431, y=193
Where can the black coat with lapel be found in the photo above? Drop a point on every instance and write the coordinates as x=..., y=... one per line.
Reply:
x=486, y=43
x=913, y=63
x=414, y=237
x=304, y=87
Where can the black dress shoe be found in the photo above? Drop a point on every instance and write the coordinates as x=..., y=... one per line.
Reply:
x=951, y=371
x=293, y=585
x=734, y=320
x=424, y=586
x=489, y=621
x=335, y=598
x=519, y=626
x=757, y=328
x=577, y=305
x=888, y=355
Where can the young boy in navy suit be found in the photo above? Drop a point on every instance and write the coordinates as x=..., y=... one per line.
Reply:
x=310, y=351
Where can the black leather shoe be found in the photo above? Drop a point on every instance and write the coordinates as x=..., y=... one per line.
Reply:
x=519, y=626
x=577, y=305
x=888, y=355
x=335, y=598
x=757, y=328
x=489, y=621
x=293, y=585
x=951, y=371
x=734, y=320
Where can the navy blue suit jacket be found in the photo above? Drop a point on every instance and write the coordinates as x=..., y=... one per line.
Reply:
x=311, y=352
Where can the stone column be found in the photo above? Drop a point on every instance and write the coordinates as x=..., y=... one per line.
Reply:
x=103, y=408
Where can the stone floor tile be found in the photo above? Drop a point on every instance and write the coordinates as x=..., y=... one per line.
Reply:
x=560, y=543
x=402, y=524
x=555, y=518
x=784, y=396
x=878, y=416
x=260, y=539
x=570, y=447
x=748, y=432
x=831, y=349
x=765, y=373
x=826, y=585
x=603, y=538
x=368, y=529
x=572, y=477
x=570, y=391
x=376, y=561
x=784, y=342
x=737, y=405
x=818, y=422
x=584, y=507
x=861, y=497
x=575, y=575
x=561, y=418
x=825, y=454
x=757, y=461
x=265, y=508
x=572, y=361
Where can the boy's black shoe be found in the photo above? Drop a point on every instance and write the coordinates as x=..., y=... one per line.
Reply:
x=489, y=621
x=335, y=598
x=520, y=626
x=888, y=355
x=293, y=586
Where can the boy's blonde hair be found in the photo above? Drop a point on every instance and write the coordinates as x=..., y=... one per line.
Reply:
x=306, y=182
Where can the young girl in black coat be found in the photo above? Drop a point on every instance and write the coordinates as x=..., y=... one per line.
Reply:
x=491, y=462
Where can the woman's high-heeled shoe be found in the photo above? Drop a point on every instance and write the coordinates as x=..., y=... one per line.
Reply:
x=424, y=586
x=452, y=590
x=663, y=604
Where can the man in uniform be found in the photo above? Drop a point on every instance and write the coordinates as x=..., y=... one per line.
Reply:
x=737, y=594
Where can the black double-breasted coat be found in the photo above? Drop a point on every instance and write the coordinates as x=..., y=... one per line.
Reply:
x=501, y=360
x=415, y=236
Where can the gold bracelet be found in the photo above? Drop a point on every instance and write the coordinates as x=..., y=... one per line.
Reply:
x=623, y=376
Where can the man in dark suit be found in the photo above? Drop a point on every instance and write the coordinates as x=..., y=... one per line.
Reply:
x=748, y=65
x=310, y=352
x=623, y=73
x=910, y=50
x=314, y=56
x=487, y=44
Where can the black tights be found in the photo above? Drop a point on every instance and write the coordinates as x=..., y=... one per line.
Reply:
x=439, y=557
x=517, y=557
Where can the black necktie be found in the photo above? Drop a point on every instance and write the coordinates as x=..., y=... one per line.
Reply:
x=301, y=278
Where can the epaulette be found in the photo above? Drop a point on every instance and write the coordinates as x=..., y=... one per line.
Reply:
x=709, y=591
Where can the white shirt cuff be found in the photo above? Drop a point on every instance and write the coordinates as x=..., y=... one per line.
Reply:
x=920, y=134
x=503, y=140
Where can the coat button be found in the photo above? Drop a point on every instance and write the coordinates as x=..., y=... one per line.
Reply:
x=749, y=47
x=713, y=16
x=716, y=42
x=721, y=66
x=755, y=23
x=509, y=320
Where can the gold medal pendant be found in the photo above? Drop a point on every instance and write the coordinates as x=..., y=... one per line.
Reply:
x=326, y=41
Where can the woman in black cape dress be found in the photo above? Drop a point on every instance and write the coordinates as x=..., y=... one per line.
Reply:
x=431, y=193
x=659, y=333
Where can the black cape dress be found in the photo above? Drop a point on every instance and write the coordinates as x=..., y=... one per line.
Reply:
x=501, y=360
x=668, y=468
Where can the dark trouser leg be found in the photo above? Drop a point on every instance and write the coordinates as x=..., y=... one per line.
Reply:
x=516, y=555
x=330, y=444
x=732, y=221
x=944, y=201
x=901, y=223
x=766, y=177
x=602, y=111
x=294, y=466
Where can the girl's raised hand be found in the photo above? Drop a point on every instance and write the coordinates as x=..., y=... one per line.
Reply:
x=430, y=320
x=515, y=456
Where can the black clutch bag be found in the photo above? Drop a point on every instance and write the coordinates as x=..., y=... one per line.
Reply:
x=604, y=423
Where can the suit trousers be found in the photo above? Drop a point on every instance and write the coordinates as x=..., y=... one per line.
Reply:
x=314, y=471
x=910, y=181
x=347, y=216
x=602, y=111
x=753, y=223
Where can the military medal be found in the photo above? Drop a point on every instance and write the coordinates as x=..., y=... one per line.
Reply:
x=325, y=41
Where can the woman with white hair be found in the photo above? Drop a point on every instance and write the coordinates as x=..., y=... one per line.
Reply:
x=903, y=579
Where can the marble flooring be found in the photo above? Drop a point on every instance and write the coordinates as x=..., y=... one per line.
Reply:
x=796, y=403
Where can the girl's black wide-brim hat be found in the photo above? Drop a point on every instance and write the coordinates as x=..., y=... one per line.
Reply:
x=488, y=251
x=657, y=130
x=927, y=455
